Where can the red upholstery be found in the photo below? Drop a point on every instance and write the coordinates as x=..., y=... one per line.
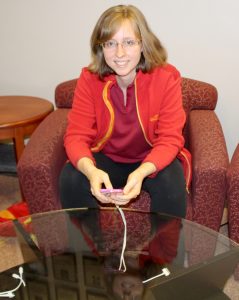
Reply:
x=233, y=199
x=233, y=196
x=44, y=156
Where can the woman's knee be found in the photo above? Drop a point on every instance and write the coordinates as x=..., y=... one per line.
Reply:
x=72, y=179
x=74, y=187
x=170, y=179
x=168, y=190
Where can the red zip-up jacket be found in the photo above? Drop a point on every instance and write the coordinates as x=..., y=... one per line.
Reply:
x=159, y=109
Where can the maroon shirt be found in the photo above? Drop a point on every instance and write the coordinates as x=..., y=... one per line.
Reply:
x=127, y=143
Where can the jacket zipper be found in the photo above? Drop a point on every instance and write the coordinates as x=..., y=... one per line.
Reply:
x=112, y=119
x=189, y=171
x=137, y=109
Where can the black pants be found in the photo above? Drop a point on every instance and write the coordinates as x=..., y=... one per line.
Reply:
x=167, y=190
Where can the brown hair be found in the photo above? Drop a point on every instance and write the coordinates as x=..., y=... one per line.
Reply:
x=153, y=53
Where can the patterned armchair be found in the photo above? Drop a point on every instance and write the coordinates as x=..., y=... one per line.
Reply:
x=44, y=156
x=233, y=196
x=233, y=200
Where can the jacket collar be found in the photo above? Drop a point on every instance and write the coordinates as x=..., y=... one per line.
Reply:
x=112, y=78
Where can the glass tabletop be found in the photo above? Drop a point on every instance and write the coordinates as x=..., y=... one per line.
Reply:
x=111, y=253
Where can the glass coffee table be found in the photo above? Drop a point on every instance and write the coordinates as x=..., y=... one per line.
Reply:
x=98, y=254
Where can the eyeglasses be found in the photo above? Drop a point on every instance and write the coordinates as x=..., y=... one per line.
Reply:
x=126, y=44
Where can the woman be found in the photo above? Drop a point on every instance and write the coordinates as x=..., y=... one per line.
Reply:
x=125, y=126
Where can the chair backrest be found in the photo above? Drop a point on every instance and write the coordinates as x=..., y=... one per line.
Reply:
x=64, y=93
x=196, y=94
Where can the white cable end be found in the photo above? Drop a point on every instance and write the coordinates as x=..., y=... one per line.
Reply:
x=7, y=294
x=16, y=276
x=166, y=271
x=11, y=295
x=20, y=270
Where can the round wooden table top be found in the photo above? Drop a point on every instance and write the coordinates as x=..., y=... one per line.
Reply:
x=19, y=110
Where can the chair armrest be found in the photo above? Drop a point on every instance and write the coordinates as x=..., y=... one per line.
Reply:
x=233, y=170
x=210, y=162
x=41, y=162
x=233, y=196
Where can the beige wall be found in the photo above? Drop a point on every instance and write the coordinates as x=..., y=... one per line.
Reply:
x=45, y=42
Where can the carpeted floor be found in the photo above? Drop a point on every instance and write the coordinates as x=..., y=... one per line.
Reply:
x=7, y=158
x=9, y=190
x=9, y=185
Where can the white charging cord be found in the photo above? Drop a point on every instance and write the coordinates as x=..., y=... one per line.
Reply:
x=122, y=261
x=165, y=272
x=10, y=294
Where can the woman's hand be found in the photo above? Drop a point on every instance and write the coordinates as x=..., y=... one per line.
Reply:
x=96, y=177
x=134, y=183
x=131, y=190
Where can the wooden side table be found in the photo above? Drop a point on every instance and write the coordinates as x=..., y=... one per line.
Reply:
x=19, y=117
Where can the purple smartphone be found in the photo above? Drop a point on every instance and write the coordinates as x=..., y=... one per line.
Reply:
x=111, y=191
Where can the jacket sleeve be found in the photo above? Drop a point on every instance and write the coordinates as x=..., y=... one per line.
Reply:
x=168, y=139
x=81, y=128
